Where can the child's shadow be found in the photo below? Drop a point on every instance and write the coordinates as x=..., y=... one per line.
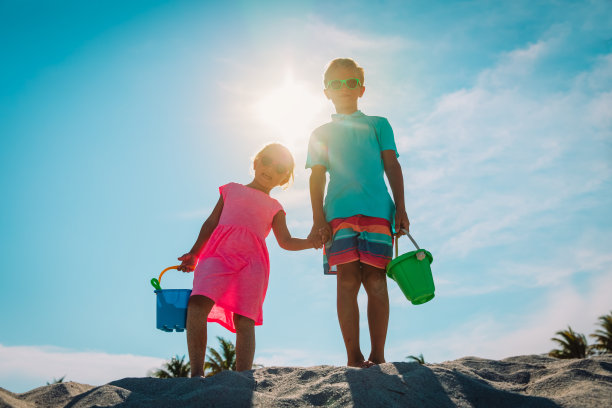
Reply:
x=226, y=389
x=415, y=385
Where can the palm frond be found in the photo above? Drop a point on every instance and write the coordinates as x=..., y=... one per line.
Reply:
x=419, y=359
x=603, y=336
x=174, y=368
x=224, y=359
x=57, y=380
x=572, y=345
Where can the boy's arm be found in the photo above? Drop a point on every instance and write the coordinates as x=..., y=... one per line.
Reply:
x=393, y=170
x=321, y=231
x=190, y=259
x=283, y=236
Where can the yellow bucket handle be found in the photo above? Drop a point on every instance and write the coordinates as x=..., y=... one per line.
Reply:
x=165, y=270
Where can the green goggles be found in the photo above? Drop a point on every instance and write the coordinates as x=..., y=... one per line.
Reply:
x=350, y=83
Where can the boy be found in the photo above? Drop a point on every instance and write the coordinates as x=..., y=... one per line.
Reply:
x=358, y=215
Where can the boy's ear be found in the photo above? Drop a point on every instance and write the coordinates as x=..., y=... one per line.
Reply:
x=362, y=91
x=326, y=94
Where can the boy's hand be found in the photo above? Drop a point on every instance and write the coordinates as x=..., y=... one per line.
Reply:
x=401, y=222
x=325, y=234
x=189, y=262
x=320, y=233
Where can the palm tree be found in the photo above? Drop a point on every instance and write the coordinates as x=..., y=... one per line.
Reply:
x=224, y=359
x=174, y=368
x=419, y=359
x=573, y=345
x=603, y=337
x=57, y=380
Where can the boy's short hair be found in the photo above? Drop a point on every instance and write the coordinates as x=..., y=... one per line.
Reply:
x=344, y=63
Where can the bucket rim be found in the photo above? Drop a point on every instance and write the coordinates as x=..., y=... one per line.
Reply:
x=405, y=256
x=168, y=290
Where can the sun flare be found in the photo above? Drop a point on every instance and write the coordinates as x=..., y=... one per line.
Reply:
x=290, y=110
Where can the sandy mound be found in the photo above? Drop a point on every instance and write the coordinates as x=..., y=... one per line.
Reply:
x=526, y=381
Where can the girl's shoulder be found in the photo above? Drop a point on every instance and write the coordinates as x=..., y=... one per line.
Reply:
x=226, y=187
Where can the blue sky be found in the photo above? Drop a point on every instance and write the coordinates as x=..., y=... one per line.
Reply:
x=119, y=120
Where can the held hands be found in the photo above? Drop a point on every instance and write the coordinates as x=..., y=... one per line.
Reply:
x=189, y=262
x=320, y=234
x=401, y=222
x=313, y=242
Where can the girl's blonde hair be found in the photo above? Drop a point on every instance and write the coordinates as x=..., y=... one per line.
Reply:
x=344, y=63
x=291, y=164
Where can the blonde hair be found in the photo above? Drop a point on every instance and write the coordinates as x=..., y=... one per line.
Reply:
x=344, y=63
x=270, y=146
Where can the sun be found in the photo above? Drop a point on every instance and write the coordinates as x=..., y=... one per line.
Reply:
x=290, y=109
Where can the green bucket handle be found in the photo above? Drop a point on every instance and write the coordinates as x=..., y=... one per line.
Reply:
x=420, y=255
x=405, y=231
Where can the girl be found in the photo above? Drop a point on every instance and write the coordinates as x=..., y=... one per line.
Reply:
x=231, y=276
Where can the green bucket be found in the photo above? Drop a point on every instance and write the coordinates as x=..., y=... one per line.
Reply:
x=412, y=272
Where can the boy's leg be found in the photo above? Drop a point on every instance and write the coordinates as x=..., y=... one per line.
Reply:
x=245, y=342
x=348, y=284
x=197, y=312
x=375, y=284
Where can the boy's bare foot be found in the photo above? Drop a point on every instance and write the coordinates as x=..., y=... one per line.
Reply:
x=380, y=359
x=367, y=364
x=376, y=362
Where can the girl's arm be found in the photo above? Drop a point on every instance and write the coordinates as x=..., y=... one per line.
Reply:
x=393, y=170
x=190, y=259
x=284, y=238
x=321, y=231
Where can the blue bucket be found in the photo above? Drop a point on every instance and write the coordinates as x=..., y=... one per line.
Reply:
x=171, y=305
x=172, y=309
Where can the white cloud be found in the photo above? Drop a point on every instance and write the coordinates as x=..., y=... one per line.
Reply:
x=497, y=160
x=586, y=255
x=34, y=366
x=488, y=336
x=328, y=36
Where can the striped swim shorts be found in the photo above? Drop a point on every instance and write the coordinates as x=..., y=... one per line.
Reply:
x=358, y=238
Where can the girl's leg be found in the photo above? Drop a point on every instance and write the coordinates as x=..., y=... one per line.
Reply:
x=375, y=284
x=245, y=342
x=348, y=284
x=197, y=313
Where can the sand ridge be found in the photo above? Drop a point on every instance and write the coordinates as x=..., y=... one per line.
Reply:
x=524, y=381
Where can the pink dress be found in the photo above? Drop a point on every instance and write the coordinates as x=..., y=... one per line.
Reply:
x=234, y=267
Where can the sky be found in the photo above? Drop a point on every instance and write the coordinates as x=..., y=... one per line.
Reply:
x=119, y=120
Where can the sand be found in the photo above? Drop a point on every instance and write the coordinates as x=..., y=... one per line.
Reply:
x=525, y=381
